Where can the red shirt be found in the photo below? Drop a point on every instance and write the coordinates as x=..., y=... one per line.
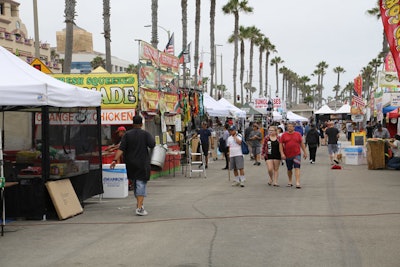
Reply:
x=291, y=143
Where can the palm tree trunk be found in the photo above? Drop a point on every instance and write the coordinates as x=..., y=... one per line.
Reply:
x=235, y=55
x=107, y=33
x=154, y=23
x=251, y=64
x=260, y=70
x=212, y=46
x=266, y=72
x=196, y=40
x=184, y=37
x=241, y=67
x=69, y=34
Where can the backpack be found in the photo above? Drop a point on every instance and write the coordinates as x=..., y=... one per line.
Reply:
x=245, y=147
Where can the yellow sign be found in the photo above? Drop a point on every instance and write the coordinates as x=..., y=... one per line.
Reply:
x=39, y=65
x=358, y=138
x=117, y=90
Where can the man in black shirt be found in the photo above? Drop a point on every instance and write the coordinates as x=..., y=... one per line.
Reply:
x=134, y=147
x=332, y=134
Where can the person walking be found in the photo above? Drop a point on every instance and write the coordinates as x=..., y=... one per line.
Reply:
x=225, y=149
x=312, y=140
x=332, y=134
x=134, y=148
x=272, y=155
x=247, y=132
x=289, y=146
x=205, y=135
x=236, y=162
x=394, y=162
x=349, y=129
x=255, y=140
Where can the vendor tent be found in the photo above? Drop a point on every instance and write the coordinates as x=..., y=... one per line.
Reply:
x=345, y=109
x=24, y=88
x=235, y=111
x=295, y=117
x=325, y=109
x=23, y=85
x=213, y=108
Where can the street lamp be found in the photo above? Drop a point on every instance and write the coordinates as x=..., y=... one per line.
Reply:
x=161, y=27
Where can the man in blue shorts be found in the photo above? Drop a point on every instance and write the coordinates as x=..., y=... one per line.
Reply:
x=289, y=146
x=134, y=147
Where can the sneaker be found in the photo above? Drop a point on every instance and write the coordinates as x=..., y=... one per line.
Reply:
x=242, y=184
x=312, y=162
x=235, y=183
x=258, y=163
x=141, y=212
x=255, y=163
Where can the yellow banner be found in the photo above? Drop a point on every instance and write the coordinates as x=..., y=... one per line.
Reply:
x=118, y=90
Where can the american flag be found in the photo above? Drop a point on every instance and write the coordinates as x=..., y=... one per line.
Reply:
x=358, y=101
x=170, y=45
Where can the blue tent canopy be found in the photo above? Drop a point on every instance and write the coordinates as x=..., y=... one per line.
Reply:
x=388, y=109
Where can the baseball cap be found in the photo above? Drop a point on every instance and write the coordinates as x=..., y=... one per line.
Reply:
x=121, y=128
x=232, y=128
x=137, y=120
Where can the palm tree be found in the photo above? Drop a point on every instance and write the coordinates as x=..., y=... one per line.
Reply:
x=69, y=34
x=212, y=45
x=132, y=68
x=242, y=36
x=184, y=36
x=253, y=35
x=268, y=47
x=276, y=61
x=197, y=39
x=321, y=72
x=154, y=22
x=234, y=7
x=98, y=62
x=107, y=33
x=376, y=12
x=338, y=70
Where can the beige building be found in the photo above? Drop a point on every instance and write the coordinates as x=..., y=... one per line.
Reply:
x=14, y=37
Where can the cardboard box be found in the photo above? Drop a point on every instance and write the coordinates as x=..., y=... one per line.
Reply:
x=64, y=198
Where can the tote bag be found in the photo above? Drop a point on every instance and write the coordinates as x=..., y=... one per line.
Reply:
x=245, y=147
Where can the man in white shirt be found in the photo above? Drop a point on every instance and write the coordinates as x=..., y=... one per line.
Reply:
x=236, y=162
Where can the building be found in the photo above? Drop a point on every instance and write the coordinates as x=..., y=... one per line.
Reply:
x=14, y=37
x=83, y=53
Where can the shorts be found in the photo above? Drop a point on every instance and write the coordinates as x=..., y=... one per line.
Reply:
x=140, y=188
x=294, y=162
x=332, y=149
x=236, y=163
x=205, y=149
x=256, y=150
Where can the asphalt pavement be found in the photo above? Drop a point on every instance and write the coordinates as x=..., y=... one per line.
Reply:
x=347, y=217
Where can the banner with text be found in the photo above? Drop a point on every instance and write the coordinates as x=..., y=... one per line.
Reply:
x=117, y=90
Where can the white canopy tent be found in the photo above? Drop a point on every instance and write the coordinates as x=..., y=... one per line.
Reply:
x=24, y=88
x=295, y=117
x=345, y=109
x=235, y=111
x=23, y=85
x=213, y=108
x=325, y=109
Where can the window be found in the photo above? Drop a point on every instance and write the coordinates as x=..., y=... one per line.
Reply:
x=1, y=9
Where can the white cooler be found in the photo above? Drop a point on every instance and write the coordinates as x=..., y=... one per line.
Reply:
x=354, y=155
x=115, y=181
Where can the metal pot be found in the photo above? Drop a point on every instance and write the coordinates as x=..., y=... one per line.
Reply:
x=158, y=157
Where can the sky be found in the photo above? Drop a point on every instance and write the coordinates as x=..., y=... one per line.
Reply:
x=304, y=33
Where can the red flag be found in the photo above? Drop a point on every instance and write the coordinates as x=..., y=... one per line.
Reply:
x=391, y=23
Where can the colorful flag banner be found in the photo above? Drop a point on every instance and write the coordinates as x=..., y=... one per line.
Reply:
x=391, y=24
x=184, y=56
x=200, y=78
x=357, y=92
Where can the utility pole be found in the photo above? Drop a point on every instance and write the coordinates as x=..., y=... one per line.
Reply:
x=36, y=26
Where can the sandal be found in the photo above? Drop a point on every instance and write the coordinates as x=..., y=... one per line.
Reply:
x=277, y=185
x=289, y=185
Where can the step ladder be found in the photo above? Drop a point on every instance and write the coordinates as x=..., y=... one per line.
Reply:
x=195, y=160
